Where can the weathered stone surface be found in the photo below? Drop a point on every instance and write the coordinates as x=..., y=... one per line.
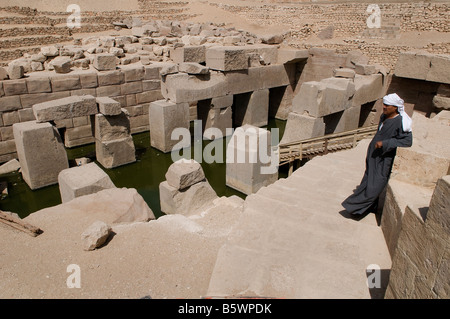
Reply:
x=110, y=78
x=189, y=53
x=252, y=108
x=249, y=160
x=164, y=117
x=80, y=135
x=291, y=55
x=300, y=127
x=61, y=64
x=184, y=173
x=423, y=66
x=105, y=62
x=41, y=153
x=116, y=152
x=272, y=39
x=193, y=68
x=10, y=103
x=50, y=51
x=222, y=102
x=368, y=88
x=194, y=200
x=322, y=98
x=226, y=58
x=65, y=83
x=365, y=69
x=82, y=180
x=217, y=122
x=441, y=102
x=108, y=106
x=108, y=128
x=39, y=85
x=65, y=108
x=15, y=71
x=15, y=87
x=133, y=73
x=95, y=235
x=10, y=166
x=344, y=73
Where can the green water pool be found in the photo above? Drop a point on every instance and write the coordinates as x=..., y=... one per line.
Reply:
x=144, y=175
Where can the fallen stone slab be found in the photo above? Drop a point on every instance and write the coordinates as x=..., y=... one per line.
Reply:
x=108, y=128
x=10, y=166
x=82, y=180
x=193, y=68
x=65, y=108
x=105, y=62
x=61, y=64
x=116, y=152
x=95, y=235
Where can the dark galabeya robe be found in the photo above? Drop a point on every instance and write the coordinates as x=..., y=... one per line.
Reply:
x=378, y=164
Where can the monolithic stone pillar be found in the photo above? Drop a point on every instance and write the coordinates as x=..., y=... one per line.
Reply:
x=41, y=153
x=252, y=108
x=249, y=164
x=164, y=117
x=215, y=113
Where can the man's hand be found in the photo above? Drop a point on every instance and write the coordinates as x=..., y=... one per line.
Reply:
x=379, y=144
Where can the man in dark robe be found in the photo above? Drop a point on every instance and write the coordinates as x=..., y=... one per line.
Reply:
x=394, y=130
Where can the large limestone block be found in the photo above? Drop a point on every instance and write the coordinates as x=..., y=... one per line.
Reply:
x=292, y=55
x=322, y=98
x=108, y=106
x=301, y=127
x=194, y=200
x=249, y=159
x=41, y=153
x=368, y=88
x=226, y=58
x=108, y=128
x=184, y=173
x=423, y=66
x=116, y=152
x=164, y=117
x=252, y=108
x=65, y=108
x=218, y=120
x=181, y=87
x=105, y=62
x=82, y=180
x=188, y=54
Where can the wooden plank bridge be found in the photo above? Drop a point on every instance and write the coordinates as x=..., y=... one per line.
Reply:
x=307, y=149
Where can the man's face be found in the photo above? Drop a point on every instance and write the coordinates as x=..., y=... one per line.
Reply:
x=389, y=110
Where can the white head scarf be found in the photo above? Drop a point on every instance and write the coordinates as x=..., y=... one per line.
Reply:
x=395, y=100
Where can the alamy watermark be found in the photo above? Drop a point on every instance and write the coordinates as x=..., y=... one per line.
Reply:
x=74, y=20
x=373, y=272
x=74, y=279
x=374, y=20
x=249, y=145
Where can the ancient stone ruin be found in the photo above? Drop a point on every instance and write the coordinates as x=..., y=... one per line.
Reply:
x=157, y=72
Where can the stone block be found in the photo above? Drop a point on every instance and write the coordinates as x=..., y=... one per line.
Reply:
x=62, y=64
x=193, y=68
x=8, y=147
x=194, y=200
x=115, y=153
x=6, y=133
x=73, y=106
x=251, y=108
x=77, y=136
x=184, y=173
x=439, y=67
x=109, y=90
x=149, y=85
x=322, y=98
x=438, y=215
x=164, y=117
x=441, y=102
x=291, y=56
x=15, y=71
x=88, y=80
x=15, y=87
x=110, y=78
x=108, y=128
x=413, y=65
x=148, y=96
x=222, y=102
x=65, y=83
x=105, y=62
x=28, y=100
x=226, y=58
x=301, y=127
x=3, y=74
x=26, y=115
x=344, y=73
x=38, y=85
x=280, y=101
x=133, y=73
x=82, y=180
x=151, y=72
x=274, y=76
x=108, y=106
x=41, y=153
x=246, y=169
x=217, y=119
x=10, y=103
x=188, y=54
x=10, y=118
x=131, y=88
x=368, y=88
x=365, y=69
